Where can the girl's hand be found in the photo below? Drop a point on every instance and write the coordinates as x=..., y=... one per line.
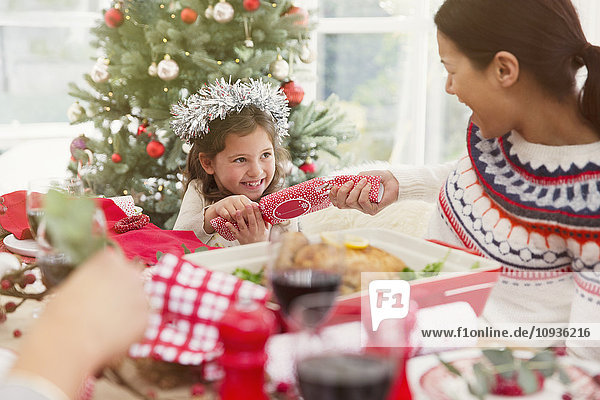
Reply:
x=252, y=227
x=356, y=196
x=230, y=205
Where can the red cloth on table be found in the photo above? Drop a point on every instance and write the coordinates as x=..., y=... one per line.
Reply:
x=145, y=242
x=14, y=219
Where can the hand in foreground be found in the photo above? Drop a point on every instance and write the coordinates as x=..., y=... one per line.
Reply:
x=96, y=314
x=252, y=227
x=356, y=196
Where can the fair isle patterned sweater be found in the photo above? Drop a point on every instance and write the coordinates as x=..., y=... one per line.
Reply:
x=533, y=208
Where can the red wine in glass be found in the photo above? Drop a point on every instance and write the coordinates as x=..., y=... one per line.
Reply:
x=291, y=284
x=344, y=377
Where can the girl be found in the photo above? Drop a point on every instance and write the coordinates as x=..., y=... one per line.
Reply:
x=528, y=193
x=235, y=159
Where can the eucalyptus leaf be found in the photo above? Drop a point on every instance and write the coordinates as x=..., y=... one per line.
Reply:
x=563, y=376
x=200, y=249
x=450, y=367
x=159, y=254
x=482, y=377
x=476, y=391
x=502, y=360
x=527, y=379
x=544, y=362
x=185, y=249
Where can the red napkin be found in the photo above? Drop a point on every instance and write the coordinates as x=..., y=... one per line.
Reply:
x=145, y=242
x=187, y=304
x=14, y=220
x=300, y=199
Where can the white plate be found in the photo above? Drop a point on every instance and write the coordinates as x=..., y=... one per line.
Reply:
x=430, y=380
x=26, y=247
x=7, y=359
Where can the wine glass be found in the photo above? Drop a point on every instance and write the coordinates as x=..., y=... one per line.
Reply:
x=297, y=268
x=37, y=190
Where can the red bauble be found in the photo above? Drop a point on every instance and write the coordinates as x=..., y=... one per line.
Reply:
x=299, y=11
x=155, y=149
x=293, y=92
x=142, y=129
x=251, y=5
x=116, y=158
x=188, y=15
x=113, y=18
x=308, y=167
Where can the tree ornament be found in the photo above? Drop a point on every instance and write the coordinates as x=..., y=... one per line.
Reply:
x=223, y=12
x=248, y=31
x=293, y=92
x=279, y=68
x=209, y=13
x=153, y=69
x=307, y=55
x=113, y=18
x=167, y=69
x=116, y=158
x=75, y=111
x=155, y=149
x=251, y=5
x=309, y=166
x=99, y=72
x=79, y=143
x=142, y=128
x=303, y=21
x=188, y=15
x=186, y=147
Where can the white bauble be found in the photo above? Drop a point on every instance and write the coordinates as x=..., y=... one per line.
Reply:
x=223, y=12
x=153, y=69
x=279, y=69
x=99, y=72
x=75, y=111
x=167, y=70
x=186, y=147
x=307, y=55
x=209, y=12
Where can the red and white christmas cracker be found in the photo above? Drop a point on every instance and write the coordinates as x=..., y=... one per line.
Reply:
x=300, y=199
x=126, y=204
x=187, y=302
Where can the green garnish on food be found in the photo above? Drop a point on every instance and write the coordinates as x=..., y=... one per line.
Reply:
x=246, y=275
x=431, y=269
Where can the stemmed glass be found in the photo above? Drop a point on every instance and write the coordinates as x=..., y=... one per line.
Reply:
x=37, y=190
x=312, y=271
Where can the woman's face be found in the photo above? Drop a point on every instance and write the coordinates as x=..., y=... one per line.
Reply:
x=477, y=89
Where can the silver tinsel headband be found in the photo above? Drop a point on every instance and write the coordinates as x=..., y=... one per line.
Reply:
x=192, y=115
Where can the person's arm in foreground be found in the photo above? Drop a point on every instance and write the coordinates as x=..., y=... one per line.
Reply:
x=99, y=311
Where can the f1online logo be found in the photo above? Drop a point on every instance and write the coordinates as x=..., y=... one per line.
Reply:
x=388, y=299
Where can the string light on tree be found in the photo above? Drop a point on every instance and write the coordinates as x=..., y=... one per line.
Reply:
x=223, y=12
x=167, y=69
x=188, y=15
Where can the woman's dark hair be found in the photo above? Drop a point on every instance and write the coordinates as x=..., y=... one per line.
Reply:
x=545, y=36
x=242, y=123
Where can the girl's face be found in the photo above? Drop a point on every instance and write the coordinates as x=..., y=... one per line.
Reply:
x=477, y=89
x=246, y=165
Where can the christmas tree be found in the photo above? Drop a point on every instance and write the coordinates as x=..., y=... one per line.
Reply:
x=156, y=53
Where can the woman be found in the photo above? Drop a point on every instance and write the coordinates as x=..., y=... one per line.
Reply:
x=528, y=193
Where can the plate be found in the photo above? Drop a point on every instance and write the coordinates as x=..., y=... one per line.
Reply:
x=429, y=379
x=26, y=247
x=7, y=359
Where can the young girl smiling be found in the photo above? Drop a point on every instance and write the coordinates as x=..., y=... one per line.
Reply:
x=236, y=158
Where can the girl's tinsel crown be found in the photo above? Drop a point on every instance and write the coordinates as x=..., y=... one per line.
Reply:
x=192, y=115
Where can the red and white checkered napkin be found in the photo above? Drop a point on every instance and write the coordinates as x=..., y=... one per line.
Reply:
x=187, y=302
x=300, y=199
x=126, y=204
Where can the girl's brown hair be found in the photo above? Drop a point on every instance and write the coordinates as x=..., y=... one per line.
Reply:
x=545, y=36
x=242, y=123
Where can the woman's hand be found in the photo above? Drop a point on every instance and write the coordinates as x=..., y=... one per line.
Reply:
x=356, y=196
x=252, y=227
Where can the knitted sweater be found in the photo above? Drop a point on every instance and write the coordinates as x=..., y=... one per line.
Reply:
x=533, y=208
x=191, y=218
